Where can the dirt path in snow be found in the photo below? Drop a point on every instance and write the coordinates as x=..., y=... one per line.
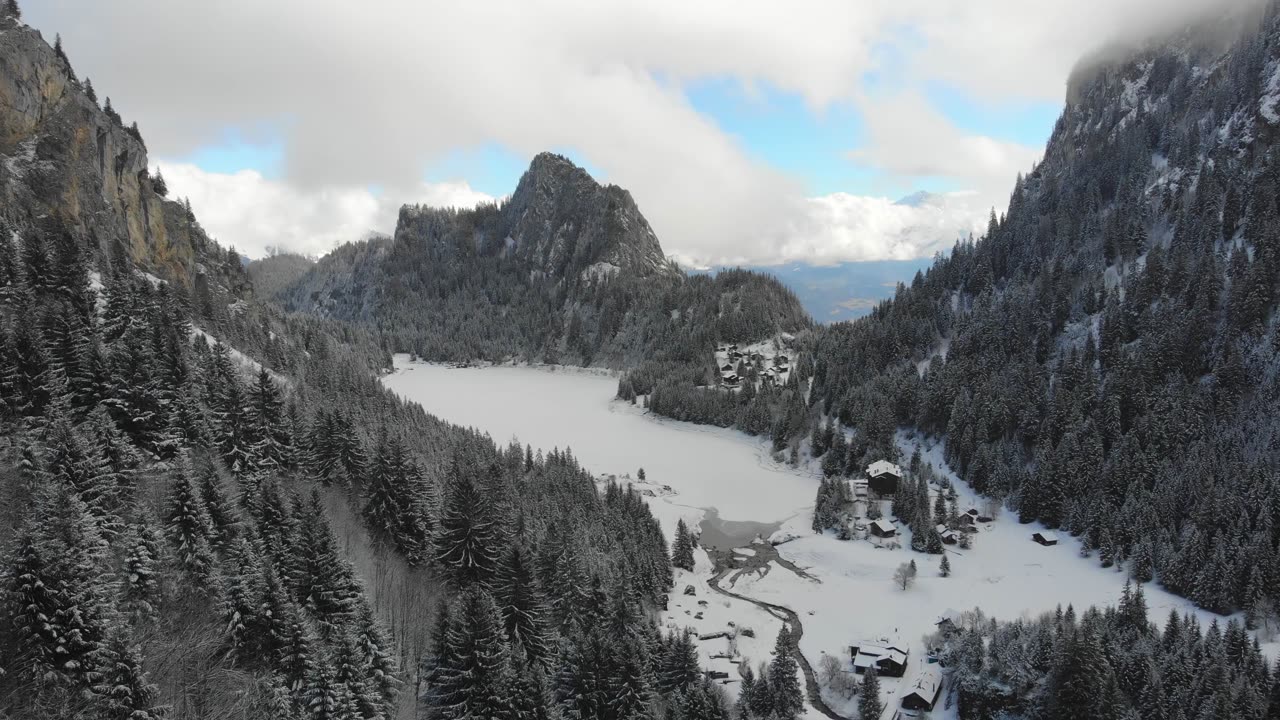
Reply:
x=738, y=565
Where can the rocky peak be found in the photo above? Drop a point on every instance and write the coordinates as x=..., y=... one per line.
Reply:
x=565, y=223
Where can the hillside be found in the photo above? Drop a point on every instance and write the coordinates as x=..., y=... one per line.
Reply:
x=210, y=508
x=565, y=270
x=1105, y=358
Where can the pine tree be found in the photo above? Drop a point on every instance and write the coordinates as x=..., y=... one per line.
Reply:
x=11, y=8
x=469, y=540
x=521, y=606
x=761, y=700
x=326, y=584
x=122, y=683
x=680, y=664
x=788, y=697
x=682, y=547
x=222, y=517
x=141, y=591
x=944, y=566
x=56, y=600
x=377, y=658
x=474, y=681
x=869, y=703
x=188, y=527
x=87, y=475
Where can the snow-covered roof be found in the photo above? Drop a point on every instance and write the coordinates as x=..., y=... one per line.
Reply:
x=869, y=654
x=884, y=526
x=949, y=615
x=928, y=681
x=1047, y=535
x=881, y=467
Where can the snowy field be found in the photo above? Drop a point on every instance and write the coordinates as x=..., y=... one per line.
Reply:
x=690, y=468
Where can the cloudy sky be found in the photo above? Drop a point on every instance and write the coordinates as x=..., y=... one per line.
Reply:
x=748, y=132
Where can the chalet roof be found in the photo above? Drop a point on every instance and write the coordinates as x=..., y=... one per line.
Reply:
x=928, y=681
x=1046, y=535
x=869, y=654
x=884, y=526
x=883, y=467
x=949, y=615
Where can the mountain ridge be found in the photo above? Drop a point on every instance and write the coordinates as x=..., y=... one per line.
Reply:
x=564, y=270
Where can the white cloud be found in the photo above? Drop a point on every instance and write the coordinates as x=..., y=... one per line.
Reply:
x=369, y=94
x=253, y=213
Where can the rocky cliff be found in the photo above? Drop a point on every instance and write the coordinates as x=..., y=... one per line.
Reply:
x=68, y=165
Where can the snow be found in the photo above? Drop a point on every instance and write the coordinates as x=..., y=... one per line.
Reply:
x=707, y=466
x=600, y=271
x=844, y=591
x=1267, y=105
x=249, y=364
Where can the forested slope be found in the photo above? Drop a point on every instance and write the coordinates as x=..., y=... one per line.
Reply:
x=213, y=509
x=1105, y=357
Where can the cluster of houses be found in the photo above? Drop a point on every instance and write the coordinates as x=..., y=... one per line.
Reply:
x=889, y=658
x=729, y=357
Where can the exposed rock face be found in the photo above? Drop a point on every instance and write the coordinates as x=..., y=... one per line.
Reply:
x=66, y=164
x=561, y=219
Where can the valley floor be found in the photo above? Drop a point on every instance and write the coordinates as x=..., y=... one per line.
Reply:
x=841, y=591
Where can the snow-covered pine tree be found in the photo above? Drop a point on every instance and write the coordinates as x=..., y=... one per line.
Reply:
x=56, y=598
x=468, y=542
x=188, y=527
x=788, y=697
x=326, y=584
x=474, y=682
x=141, y=591
x=223, y=519
x=122, y=684
x=682, y=547
x=870, y=706
x=520, y=603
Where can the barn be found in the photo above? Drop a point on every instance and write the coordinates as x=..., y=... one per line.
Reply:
x=925, y=690
x=1044, y=537
x=889, y=660
x=948, y=537
x=883, y=477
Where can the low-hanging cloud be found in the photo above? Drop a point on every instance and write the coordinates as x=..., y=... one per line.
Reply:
x=370, y=94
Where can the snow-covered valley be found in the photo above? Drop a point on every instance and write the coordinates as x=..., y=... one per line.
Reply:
x=843, y=591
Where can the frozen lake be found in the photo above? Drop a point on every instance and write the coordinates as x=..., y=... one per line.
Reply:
x=706, y=467
x=727, y=481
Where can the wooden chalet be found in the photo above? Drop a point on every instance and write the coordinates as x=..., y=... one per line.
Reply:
x=1044, y=537
x=883, y=477
x=925, y=689
x=888, y=659
x=883, y=528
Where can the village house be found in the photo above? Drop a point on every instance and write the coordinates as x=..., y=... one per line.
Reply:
x=948, y=622
x=925, y=690
x=1044, y=537
x=883, y=528
x=730, y=380
x=726, y=367
x=884, y=477
x=948, y=536
x=887, y=659
x=859, y=488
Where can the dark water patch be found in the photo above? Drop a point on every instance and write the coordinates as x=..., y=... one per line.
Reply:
x=728, y=534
